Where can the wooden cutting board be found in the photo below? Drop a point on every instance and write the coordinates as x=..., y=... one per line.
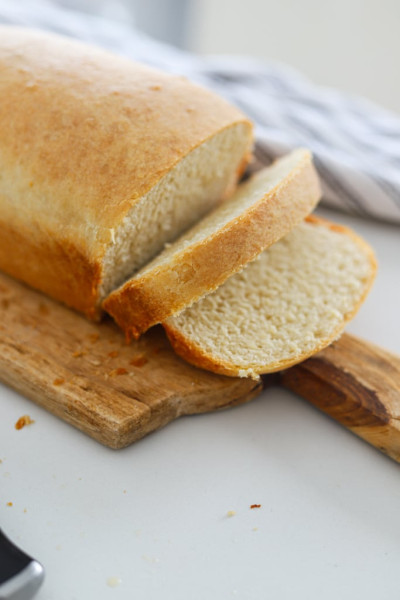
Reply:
x=86, y=374
x=357, y=384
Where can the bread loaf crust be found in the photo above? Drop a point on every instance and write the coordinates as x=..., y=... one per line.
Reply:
x=84, y=136
x=202, y=267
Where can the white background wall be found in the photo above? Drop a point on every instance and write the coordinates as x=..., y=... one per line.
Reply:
x=353, y=45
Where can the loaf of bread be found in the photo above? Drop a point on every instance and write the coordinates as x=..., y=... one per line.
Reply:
x=263, y=209
x=291, y=302
x=102, y=162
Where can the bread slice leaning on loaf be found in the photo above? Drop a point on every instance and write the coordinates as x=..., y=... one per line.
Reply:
x=102, y=162
x=291, y=302
x=262, y=210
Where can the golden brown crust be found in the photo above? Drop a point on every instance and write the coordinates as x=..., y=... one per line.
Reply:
x=196, y=356
x=37, y=262
x=202, y=267
x=84, y=135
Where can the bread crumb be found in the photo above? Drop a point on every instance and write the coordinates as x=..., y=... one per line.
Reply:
x=247, y=373
x=23, y=421
x=139, y=361
x=231, y=513
x=118, y=371
x=255, y=505
x=25, y=511
x=113, y=354
x=9, y=503
x=113, y=581
x=58, y=381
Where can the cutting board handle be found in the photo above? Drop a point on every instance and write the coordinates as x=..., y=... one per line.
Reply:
x=356, y=383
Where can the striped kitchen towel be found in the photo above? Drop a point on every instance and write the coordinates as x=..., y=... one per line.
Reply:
x=356, y=145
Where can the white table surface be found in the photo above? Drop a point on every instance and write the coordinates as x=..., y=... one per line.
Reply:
x=155, y=514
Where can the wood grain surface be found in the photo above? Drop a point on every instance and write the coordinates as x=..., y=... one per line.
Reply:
x=87, y=375
x=357, y=384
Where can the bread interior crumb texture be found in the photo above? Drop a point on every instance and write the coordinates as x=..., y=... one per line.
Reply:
x=282, y=306
x=190, y=190
x=247, y=195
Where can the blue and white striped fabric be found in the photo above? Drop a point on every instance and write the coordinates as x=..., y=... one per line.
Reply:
x=356, y=145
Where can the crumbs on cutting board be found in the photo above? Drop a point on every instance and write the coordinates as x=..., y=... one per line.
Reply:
x=23, y=421
x=255, y=505
x=95, y=363
x=138, y=361
x=118, y=371
x=9, y=503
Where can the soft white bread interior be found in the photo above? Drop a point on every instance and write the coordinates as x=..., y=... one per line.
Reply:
x=102, y=161
x=262, y=210
x=182, y=197
x=291, y=302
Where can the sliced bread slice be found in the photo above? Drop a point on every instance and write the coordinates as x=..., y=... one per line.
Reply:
x=263, y=209
x=282, y=308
